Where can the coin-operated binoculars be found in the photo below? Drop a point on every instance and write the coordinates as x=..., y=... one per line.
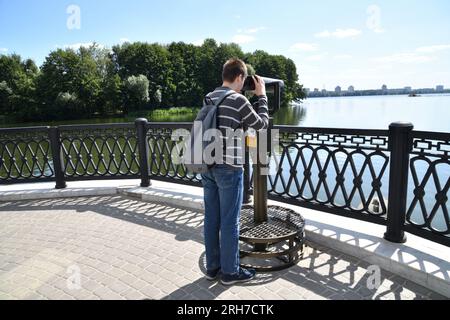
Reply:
x=271, y=237
x=274, y=88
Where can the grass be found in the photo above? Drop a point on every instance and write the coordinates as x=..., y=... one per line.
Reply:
x=175, y=111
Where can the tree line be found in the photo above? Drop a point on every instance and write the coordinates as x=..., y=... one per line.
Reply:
x=89, y=81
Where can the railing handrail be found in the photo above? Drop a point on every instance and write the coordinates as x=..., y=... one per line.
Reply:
x=22, y=129
x=344, y=131
x=287, y=128
x=69, y=127
x=168, y=125
x=431, y=135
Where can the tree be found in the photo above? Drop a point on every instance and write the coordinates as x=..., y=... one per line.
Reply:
x=68, y=104
x=83, y=73
x=17, y=92
x=208, y=76
x=136, y=93
x=150, y=60
x=58, y=74
x=185, y=87
x=96, y=81
x=5, y=94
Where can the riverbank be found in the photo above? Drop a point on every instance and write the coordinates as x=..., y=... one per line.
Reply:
x=180, y=114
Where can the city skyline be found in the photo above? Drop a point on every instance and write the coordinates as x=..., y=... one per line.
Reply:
x=384, y=90
x=361, y=43
x=350, y=88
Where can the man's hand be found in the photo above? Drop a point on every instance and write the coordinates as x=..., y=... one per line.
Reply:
x=260, y=86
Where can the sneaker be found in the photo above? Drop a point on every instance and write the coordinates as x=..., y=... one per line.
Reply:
x=212, y=274
x=243, y=275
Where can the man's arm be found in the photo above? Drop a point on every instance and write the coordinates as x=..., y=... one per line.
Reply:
x=257, y=120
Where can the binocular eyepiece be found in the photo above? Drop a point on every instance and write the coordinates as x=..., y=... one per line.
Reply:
x=273, y=89
x=249, y=84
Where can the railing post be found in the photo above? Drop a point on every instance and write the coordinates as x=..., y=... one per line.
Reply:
x=400, y=146
x=246, y=198
x=55, y=145
x=141, y=129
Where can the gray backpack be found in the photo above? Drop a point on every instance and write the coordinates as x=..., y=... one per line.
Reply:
x=206, y=119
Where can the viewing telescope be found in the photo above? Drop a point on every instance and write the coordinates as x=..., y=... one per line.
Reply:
x=273, y=90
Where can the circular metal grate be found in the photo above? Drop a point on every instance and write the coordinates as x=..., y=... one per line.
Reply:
x=272, y=245
x=282, y=224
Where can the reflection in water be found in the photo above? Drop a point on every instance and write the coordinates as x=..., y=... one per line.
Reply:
x=291, y=115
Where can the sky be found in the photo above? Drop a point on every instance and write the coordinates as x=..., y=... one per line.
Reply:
x=348, y=42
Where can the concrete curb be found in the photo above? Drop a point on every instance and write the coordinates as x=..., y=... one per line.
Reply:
x=55, y=193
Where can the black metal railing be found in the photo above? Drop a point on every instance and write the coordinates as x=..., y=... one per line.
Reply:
x=429, y=183
x=340, y=171
x=399, y=178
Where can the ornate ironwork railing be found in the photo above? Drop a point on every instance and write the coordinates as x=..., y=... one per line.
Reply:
x=429, y=184
x=160, y=142
x=337, y=170
x=25, y=155
x=397, y=177
x=94, y=151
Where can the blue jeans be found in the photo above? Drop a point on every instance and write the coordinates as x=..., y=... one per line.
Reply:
x=223, y=193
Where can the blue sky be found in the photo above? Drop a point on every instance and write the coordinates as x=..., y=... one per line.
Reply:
x=348, y=42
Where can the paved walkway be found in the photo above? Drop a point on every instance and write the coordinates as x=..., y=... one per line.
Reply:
x=114, y=247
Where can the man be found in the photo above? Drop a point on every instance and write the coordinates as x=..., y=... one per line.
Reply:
x=223, y=183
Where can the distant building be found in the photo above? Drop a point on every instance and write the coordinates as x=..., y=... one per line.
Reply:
x=338, y=90
x=351, y=89
x=439, y=89
x=316, y=90
x=408, y=90
x=324, y=92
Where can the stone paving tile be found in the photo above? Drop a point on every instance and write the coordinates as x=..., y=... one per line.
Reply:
x=127, y=249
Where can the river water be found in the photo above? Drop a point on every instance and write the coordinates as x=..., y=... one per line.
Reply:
x=426, y=113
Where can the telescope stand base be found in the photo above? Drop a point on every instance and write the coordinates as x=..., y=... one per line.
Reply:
x=272, y=245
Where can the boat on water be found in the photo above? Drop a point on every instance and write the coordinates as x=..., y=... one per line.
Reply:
x=414, y=95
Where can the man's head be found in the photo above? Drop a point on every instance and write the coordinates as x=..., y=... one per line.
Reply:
x=234, y=74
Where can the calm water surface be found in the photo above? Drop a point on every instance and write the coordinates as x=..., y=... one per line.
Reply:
x=426, y=113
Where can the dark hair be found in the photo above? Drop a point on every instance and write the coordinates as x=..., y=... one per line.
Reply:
x=233, y=68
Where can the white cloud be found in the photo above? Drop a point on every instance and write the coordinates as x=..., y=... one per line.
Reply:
x=3, y=50
x=302, y=46
x=242, y=38
x=339, y=33
x=409, y=57
x=245, y=36
x=237, y=16
x=343, y=57
x=432, y=49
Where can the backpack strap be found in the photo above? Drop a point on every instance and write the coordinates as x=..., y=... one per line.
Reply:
x=224, y=95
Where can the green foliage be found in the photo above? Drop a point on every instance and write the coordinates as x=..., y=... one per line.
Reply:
x=18, y=86
x=150, y=60
x=136, y=93
x=94, y=81
x=68, y=103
